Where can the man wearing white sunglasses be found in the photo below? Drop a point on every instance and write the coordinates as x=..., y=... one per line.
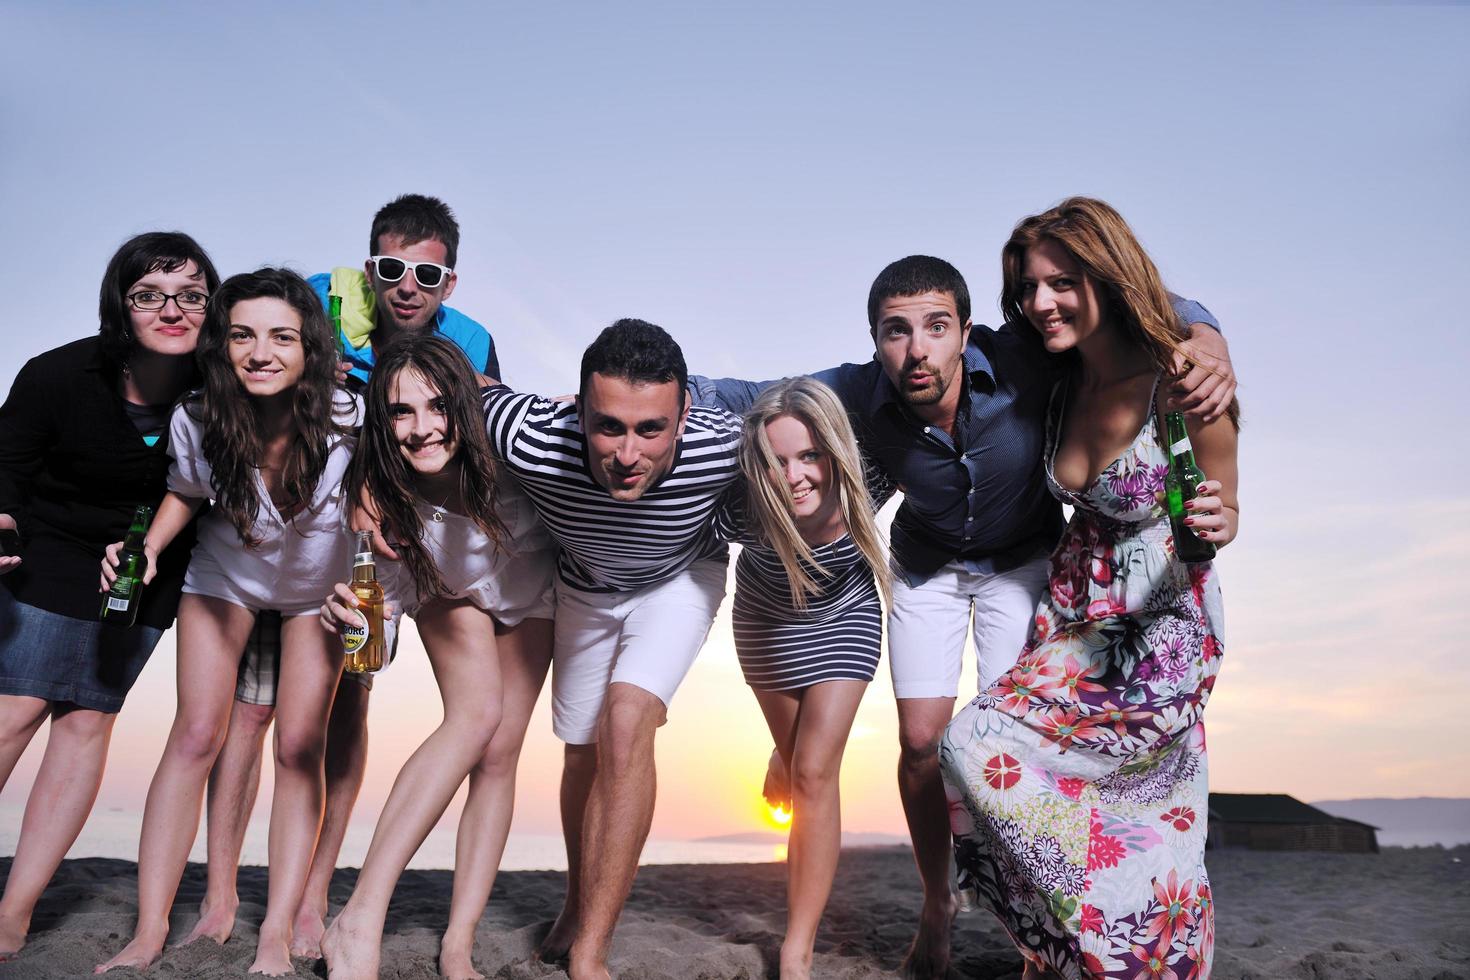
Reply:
x=409, y=274
x=402, y=287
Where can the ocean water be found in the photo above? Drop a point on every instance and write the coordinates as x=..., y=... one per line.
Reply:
x=113, y=833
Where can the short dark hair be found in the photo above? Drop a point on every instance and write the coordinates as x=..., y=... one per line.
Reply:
x=917, y=274
x=154, y=251
x=638, y=352
x=417, y=218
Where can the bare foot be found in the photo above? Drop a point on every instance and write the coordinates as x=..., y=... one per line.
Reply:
x=928, y=957
x=306, y=934
x=216, y=922
x=139, y=954
x=350, y=954
x=455, y=962
x=796, y=966
x=557, y=945
x=272, y=955
x=12, y=938
x=588, y=968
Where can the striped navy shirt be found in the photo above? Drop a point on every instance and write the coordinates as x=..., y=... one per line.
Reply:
x=611, y=545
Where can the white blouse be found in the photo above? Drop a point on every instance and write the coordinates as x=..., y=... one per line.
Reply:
x=296, y=561
x=511, y=582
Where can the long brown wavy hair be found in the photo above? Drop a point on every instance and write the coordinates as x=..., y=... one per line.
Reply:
x=229, y=416
x=380, y=472
x=770, y=505
x=1129, y=284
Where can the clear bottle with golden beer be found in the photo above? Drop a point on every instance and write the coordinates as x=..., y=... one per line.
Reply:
x=363, y=642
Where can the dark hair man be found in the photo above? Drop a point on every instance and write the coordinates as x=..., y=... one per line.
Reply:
x=627, y=480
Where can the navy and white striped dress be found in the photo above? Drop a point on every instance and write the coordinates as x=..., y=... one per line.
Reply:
x=837, y=637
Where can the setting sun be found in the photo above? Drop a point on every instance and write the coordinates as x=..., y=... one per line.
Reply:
x=779, y=816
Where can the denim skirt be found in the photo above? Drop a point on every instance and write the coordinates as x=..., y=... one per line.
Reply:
x=57, y=658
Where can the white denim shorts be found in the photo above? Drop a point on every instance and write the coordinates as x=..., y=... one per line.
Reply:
x=927, y=625
x=648, y=638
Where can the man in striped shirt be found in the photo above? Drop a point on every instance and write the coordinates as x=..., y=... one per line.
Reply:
x=627, y=480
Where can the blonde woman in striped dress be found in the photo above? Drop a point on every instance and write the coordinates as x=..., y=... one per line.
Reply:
x=808, y=623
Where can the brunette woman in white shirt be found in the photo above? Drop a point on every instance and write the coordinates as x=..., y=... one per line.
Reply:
x=267, y=438
x=476, y=577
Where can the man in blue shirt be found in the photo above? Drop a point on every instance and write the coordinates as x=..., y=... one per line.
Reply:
x=402, y=287
x=954, y=415
x=409, y=273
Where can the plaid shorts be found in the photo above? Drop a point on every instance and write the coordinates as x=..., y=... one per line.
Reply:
x=260, y=664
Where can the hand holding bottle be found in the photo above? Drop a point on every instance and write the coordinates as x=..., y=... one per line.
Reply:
x=1206, y=514
x=340, y=610
x=113, y=557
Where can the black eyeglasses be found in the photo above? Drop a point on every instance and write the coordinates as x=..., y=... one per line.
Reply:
x=151, y=300
x=428, y=274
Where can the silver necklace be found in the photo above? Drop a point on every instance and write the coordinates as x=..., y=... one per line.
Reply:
x=439, y=509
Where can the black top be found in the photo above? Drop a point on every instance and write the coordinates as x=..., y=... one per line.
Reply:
x=73, y=468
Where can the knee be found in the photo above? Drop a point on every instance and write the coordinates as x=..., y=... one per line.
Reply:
x=579, y=763
x=626, y=729
x=252, y=719
x=810, y=780
x=300, y=751
x=501, y=756
x=477, y=721
x=918, y=745
x=199, y=739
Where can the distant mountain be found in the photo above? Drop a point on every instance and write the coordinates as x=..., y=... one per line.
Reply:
x=1417, y=822
x=770, y=837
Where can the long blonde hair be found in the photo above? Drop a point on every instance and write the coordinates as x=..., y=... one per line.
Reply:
x=770, y=505
x=1133, y=292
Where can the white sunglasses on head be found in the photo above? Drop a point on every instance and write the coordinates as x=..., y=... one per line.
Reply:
x=392, y=269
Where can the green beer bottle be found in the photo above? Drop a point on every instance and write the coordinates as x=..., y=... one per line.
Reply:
x=334, y=310
x=120, y=604
x=1179, y=488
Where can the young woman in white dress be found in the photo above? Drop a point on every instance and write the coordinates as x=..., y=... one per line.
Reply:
x=267, y=438
x=475, y=575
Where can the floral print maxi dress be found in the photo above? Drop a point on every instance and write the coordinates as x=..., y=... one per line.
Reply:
x=1077, y=783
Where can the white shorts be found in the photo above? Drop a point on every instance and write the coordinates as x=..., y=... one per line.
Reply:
x=648, y=638
x=927, y=625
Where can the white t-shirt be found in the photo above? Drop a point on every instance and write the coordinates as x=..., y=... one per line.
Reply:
x=511, y=582
x=297, y=561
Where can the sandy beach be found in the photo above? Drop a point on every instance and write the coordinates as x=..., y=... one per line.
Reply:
x=1399, y=914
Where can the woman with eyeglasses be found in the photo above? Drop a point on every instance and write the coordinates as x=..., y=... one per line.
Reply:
x=476, y=563
x=267, y=439
x=1078, y=783
x=85, y=442
x=807, y=619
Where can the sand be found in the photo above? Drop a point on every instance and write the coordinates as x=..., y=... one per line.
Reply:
x=1402, y=913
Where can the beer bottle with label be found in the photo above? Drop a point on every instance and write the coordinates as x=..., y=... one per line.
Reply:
x=364, y=643
x=120, y=604
x=1179, y=488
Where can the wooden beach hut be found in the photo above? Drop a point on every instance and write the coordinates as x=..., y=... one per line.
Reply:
x=1277, y=822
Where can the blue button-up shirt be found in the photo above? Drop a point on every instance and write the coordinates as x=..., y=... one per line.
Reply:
x=980, y=497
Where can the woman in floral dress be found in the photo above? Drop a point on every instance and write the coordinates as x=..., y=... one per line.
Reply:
x=1077, y=783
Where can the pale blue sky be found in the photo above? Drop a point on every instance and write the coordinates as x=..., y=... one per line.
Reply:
x=740, y=176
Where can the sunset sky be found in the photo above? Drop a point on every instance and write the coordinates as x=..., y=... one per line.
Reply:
x=740, y=176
